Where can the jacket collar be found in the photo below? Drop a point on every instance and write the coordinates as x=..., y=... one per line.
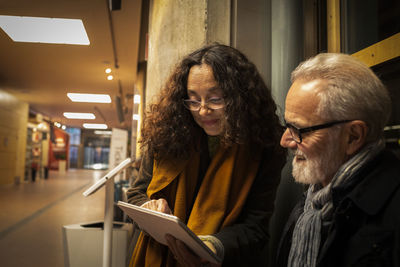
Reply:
x=381, y=179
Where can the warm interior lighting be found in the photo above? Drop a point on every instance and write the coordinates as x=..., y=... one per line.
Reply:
x=103, y=132
x=110, y=77
x=43, y=127
x=77, y=115
x=97, y=166
x=136, y=99
x=136, y=117
x=91, y=98
x=108, y=70
x=95, y=126
x=392, y=127
x=60, y=142
x=44, y=30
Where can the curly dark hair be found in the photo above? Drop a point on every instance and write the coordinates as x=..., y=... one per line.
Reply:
x=169, y=129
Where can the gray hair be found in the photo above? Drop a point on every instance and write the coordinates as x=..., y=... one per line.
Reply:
x=353, y=91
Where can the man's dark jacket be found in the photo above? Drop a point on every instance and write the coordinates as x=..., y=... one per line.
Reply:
x=366, y=223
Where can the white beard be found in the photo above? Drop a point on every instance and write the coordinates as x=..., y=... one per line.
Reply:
x=319, y=169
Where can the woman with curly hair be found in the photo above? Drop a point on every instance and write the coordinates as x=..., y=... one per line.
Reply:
x=211, y=158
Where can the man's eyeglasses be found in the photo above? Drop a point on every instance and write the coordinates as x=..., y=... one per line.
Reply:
x=212, y=103
x=297, y=132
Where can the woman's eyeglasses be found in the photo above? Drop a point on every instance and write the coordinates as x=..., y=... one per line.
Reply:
x=212, y=103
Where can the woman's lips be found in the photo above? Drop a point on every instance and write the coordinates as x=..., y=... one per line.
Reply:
x=209, y=122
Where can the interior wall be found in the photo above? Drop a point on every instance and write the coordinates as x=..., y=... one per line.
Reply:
x=252, y=33
x=286, y=53
x=270, y=33
x=13, y=132
x=136, y=125
x=218, y=23
x=287, y=45
x=177, y=28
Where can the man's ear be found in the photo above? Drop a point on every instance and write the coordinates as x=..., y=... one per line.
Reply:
x=356, y=135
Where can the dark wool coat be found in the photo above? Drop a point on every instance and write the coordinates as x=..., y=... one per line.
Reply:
x=366, y=223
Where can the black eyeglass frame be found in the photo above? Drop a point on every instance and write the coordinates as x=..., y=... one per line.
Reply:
x=300, y=131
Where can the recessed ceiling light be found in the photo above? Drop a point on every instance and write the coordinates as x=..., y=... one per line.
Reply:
x=76, y=115
x=95, y=126
x=90, y=98
x=108, y=70
x=110, y=77
x=44, y=30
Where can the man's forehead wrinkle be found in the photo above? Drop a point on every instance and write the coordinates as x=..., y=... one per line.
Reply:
x=302, y=102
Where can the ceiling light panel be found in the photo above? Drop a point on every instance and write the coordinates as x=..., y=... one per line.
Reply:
x=94, y=126
x=89, y=98
x=77, y=115
x=44, y=30
x=103, y=132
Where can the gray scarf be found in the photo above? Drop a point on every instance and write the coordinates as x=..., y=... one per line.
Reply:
x=318, y=208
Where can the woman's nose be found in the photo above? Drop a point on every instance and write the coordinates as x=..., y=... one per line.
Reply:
x=204, y=110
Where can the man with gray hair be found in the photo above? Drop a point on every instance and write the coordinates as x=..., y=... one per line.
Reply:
x=336, y=110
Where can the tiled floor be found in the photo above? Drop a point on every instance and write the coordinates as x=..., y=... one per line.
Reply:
x=32, y=216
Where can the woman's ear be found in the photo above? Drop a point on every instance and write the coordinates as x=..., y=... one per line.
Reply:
x=356, y=135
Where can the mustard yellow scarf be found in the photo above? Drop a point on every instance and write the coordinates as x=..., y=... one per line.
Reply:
x=218, y=203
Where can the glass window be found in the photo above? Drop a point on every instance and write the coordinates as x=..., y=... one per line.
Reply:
x=367, y=22
x=75, y=136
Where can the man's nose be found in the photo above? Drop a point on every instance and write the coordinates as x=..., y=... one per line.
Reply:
x=287, y=140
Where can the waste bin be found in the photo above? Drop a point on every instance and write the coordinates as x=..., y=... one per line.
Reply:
x=83, y=244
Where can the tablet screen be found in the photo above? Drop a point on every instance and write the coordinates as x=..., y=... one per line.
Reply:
x=158, y=224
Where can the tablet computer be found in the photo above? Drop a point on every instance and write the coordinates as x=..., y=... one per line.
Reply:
x=158, y=224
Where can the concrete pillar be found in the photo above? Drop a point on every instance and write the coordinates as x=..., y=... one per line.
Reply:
x=13, y=136
x=287, y=52
x=287, y=45
x=251, y=33
x=177, y=27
